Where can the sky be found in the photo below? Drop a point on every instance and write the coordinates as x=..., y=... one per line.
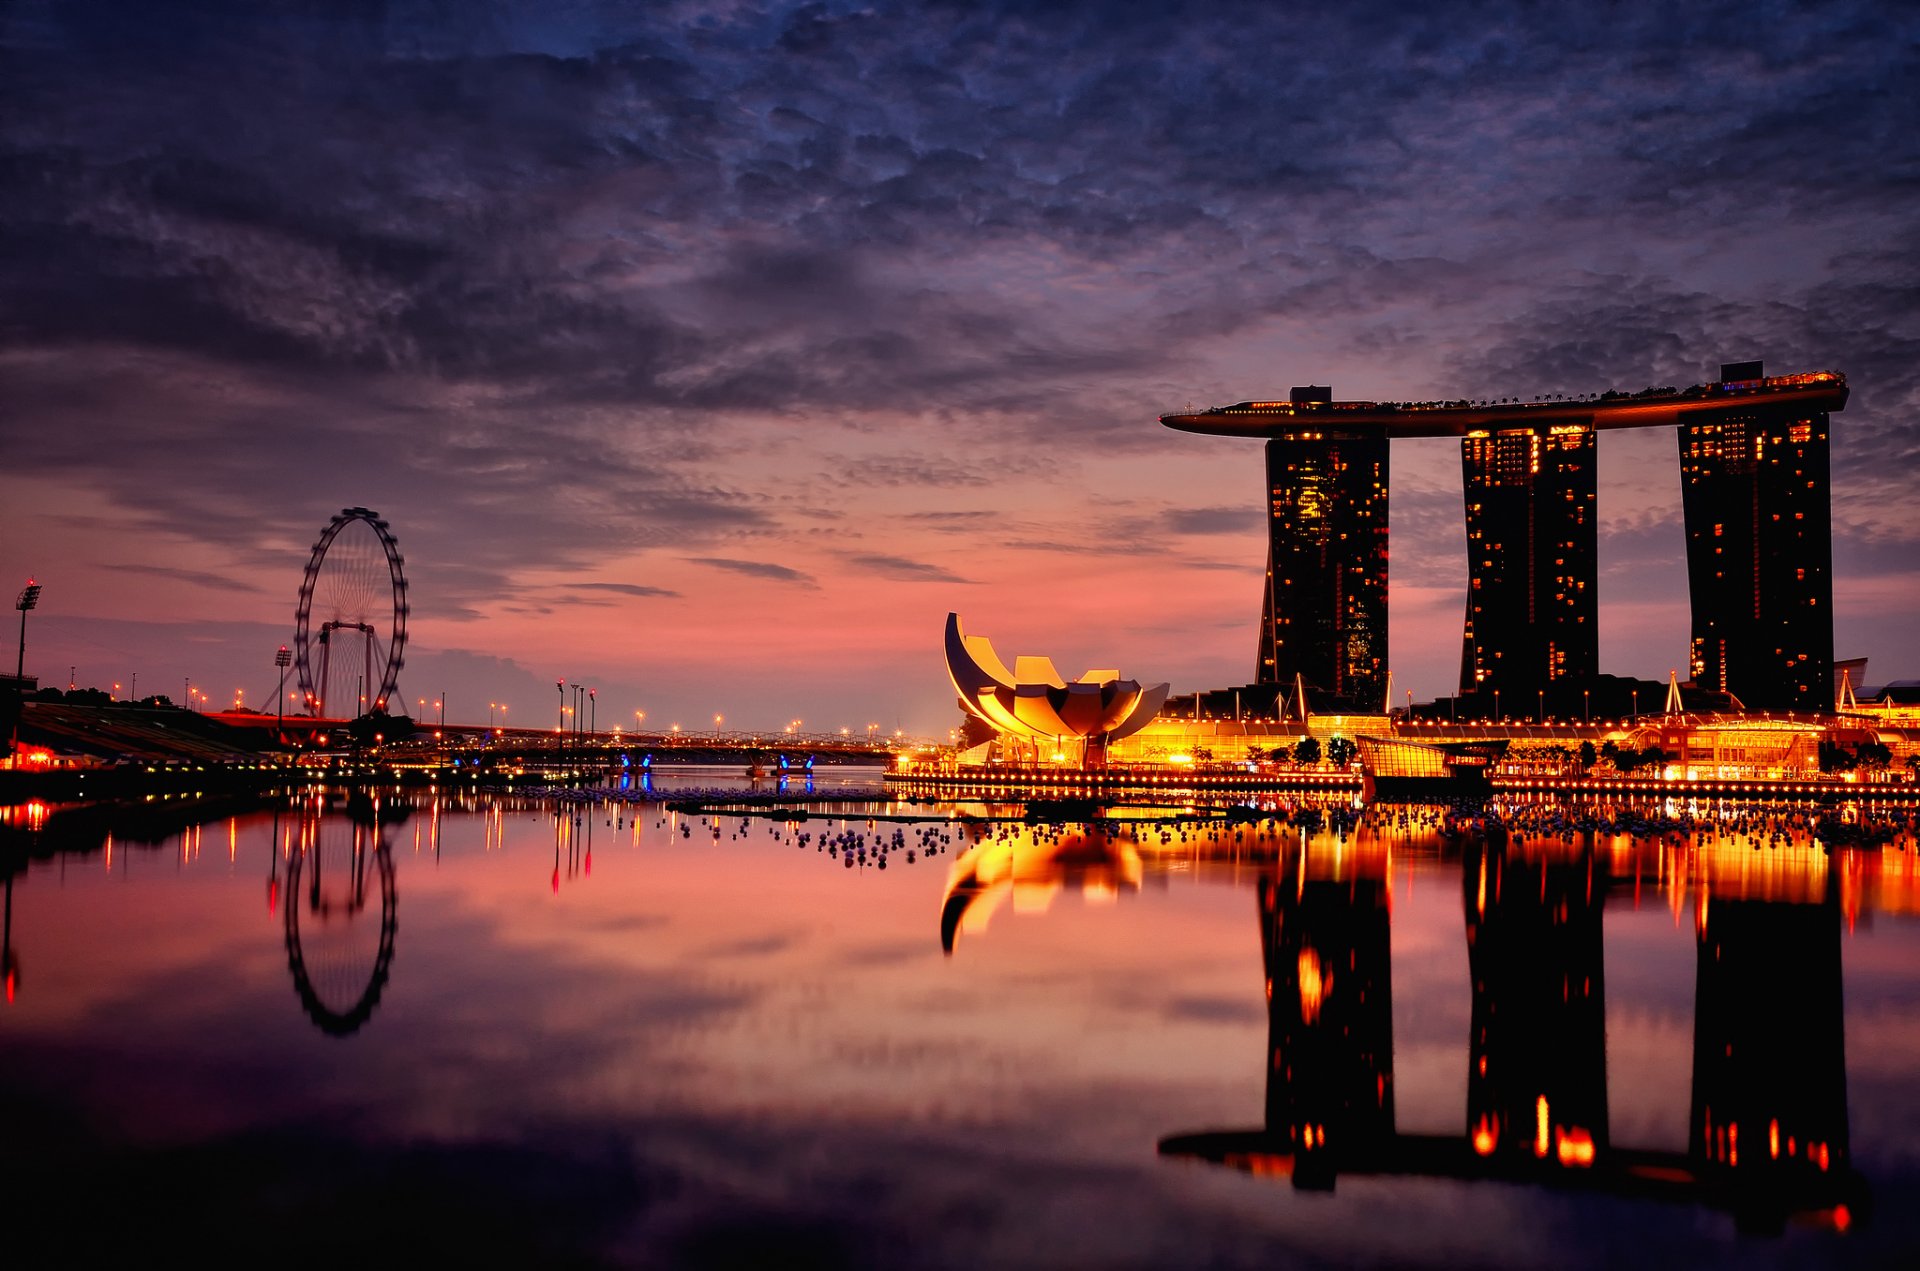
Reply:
x=710, y=354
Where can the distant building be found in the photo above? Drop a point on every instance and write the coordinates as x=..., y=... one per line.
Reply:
x=1532, y=561
x=1324, y=614
x=1755, y=488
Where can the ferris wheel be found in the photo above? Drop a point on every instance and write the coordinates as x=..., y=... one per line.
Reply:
x=350, y=629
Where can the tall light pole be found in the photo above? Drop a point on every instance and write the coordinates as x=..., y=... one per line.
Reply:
x=593, y=709
x=29, y=599
x=282, y=658
x=560, y=729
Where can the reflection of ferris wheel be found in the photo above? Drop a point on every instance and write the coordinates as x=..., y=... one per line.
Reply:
x=352, y=617
x=340, y=921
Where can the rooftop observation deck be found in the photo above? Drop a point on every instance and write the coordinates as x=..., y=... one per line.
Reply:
x=1814, y=391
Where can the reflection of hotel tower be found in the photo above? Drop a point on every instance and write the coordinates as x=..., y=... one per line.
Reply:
x=1768, y=1129
x=1537, y=1056
x=1325, y=612
x=1753, y=457
x=1769, y=1114
x=1329, y=1020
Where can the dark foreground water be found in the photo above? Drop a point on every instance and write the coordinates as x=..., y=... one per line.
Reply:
x=502, y=1032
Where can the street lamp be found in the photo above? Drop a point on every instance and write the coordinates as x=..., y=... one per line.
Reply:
x=1586, y=697
x=593, y=711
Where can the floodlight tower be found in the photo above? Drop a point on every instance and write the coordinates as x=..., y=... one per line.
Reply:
x=29, y=599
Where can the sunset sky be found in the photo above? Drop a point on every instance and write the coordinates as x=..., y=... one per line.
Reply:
x=711, y=353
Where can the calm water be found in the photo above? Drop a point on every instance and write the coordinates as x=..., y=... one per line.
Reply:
x=508, y=1033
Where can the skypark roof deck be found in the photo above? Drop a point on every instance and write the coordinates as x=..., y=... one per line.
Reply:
x=1818, y=390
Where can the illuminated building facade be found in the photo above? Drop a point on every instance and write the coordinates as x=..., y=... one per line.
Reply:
x=1760, y=553
x=1324, y=616
x=1754, y=461
x=1532, y=558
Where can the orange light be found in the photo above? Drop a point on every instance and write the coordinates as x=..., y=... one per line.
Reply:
x=1540, y=1127
x=1485, y=1136
x=1574, y=1147
x=1314, y=984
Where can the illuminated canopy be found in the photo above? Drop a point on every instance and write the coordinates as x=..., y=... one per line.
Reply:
x=1033, y=701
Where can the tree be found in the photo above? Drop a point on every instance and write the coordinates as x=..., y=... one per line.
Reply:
x=1307, y=751
x=1339, y=752
x=1588, y=755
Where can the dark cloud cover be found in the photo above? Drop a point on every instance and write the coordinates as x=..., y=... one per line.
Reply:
x=600, y=280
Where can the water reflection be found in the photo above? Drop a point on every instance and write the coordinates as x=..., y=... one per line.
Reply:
x=1029, y=867
x=340, y=917
x=1768, y=1137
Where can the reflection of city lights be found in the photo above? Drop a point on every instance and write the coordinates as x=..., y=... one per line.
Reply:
x=1314, y=984
x=1574, y=1147
x=1485, y=1137
x=1540, y=1126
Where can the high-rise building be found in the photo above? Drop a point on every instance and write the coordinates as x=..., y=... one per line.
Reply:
x=1753, y=454
x=1324, y=616
x=1754, y=485
x=1532, y=556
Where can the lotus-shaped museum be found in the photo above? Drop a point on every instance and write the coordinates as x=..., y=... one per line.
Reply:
x=1034, y=701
